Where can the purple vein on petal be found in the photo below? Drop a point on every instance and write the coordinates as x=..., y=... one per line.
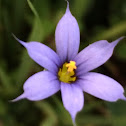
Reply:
x=40, y=86
x=73, y=99
x=94, y=55
x=101, y=86
x=42, y=55
x=67, y=36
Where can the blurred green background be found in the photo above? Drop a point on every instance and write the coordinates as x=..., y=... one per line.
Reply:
x=36, y=20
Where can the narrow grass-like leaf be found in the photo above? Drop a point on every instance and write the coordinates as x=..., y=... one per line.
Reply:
x=6, y=87
x=33, y=9
x=36, y=35
x=121, y=51
x=61, y=112
x=102, y=121
x=114, y=31
x=5, y=80
x=50, y=113
x=81, y=7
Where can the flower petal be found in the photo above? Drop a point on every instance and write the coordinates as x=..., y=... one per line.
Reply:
x=73, y=98
x=40, y=86
x=102, y=86
x=42, y=55
x=94, y=55
x=67, y=36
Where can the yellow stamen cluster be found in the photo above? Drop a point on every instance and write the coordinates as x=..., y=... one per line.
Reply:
x=71, y=66
x=66, y=73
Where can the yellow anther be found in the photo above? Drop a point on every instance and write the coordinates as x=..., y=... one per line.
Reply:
x=71, y=66
x=66, y=73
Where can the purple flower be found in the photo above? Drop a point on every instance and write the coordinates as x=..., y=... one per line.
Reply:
x=68, y=71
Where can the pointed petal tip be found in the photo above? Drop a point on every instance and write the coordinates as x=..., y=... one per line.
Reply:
x=73, y=99
x=73, y=121
x=119, y=39
x=67, y=9
x=20, y=41
x=123, y=98
x=67, y=36
x=122, y=37
x=93, y=83
x=22, y=96
x=14, y=36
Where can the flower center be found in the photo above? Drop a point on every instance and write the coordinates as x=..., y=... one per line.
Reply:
x=66, y=73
